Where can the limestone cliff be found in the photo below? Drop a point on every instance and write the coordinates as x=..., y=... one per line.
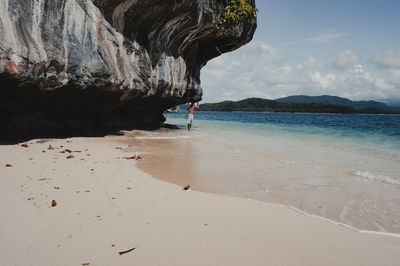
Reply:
x=79, y=66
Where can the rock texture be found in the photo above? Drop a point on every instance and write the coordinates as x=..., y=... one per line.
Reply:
x=84, y=66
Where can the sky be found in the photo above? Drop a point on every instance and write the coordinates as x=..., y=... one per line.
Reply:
x=347, y=48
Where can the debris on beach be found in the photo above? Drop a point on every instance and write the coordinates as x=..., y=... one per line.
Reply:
x=53, y=203
x=57, y=188
x=118, y=148
x=24, y=145
x=68, y=150
x=128, y=188
x=87, y=191
x=113, y=245
x=8, y=165
x=130, y=158
x=50, y=147
x=42, y=179
x=139, y=157
x=126, y=251
x=187, y=187
x=85, y=264
x=70, y=156
x=31, y=198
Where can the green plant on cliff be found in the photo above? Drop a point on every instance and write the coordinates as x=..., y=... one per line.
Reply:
x=235, y=12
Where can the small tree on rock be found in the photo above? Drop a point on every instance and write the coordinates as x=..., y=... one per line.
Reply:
x=235, y=12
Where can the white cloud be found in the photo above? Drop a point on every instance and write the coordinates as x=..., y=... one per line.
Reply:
x=348, y=59
x=236, y=77
x=324, y=37
x=255, y=51
x=394, y=76
x=389, y=59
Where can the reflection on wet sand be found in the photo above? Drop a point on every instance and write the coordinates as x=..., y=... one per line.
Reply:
x=234, y=168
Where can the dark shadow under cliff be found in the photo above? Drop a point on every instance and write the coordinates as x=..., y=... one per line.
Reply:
x=27, y=112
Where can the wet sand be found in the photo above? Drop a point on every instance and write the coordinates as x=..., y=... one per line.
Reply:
x=208, y=164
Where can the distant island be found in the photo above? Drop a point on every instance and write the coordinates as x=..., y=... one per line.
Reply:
x=303, y=104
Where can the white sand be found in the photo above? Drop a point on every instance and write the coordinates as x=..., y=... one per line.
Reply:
x=168, y=226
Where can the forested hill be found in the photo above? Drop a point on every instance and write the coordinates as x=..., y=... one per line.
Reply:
x=335, y=100
x=264, y=105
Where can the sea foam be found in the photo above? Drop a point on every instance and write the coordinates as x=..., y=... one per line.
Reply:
x=376, y=177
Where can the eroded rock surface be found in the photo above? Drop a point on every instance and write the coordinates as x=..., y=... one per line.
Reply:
x=82, y=66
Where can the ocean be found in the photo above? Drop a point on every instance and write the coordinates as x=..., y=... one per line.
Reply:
x=340, y=167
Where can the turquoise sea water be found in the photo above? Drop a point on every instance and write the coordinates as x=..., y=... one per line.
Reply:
x=342, y=167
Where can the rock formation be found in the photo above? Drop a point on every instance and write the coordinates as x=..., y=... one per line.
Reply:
x=83, y=66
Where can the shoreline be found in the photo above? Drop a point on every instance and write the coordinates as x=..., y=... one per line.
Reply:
x=190, y=160
x=158, y=218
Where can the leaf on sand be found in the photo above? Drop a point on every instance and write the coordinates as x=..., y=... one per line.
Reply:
x=42, y=179
x=85, y=264
x=8, y=165
x=68, y=150
x=126, y=251
x=70, y=157
x=53, y=203
x=130, y=158
x=24, y=145
x=187, y=187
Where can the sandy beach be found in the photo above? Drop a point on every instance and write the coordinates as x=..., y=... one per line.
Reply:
x=105, y=205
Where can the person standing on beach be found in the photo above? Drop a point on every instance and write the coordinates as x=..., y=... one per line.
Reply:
x=189, y=120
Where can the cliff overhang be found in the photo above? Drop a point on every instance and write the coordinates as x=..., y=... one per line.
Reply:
x=77, y=67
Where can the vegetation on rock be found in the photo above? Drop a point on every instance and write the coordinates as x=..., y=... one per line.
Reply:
x=235, y=12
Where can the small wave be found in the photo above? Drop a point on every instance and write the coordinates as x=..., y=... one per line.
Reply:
x=375, y=177
x=327, y=219
x=163, y=137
